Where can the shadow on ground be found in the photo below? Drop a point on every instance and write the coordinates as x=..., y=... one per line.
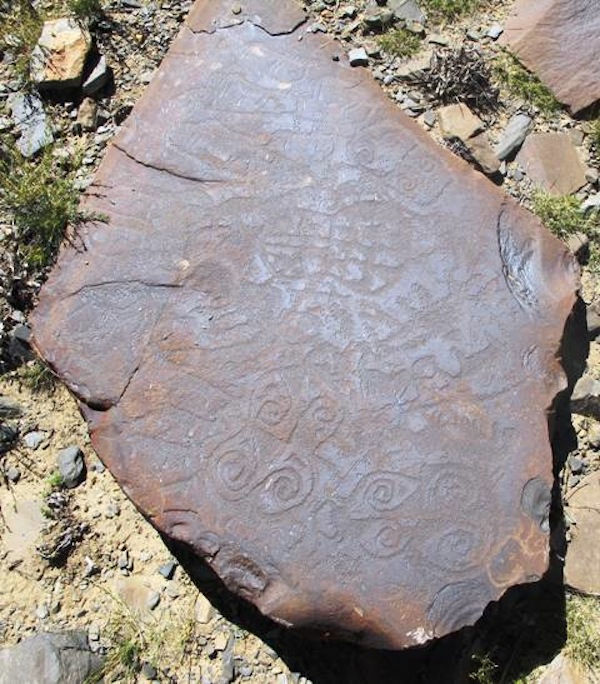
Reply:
x=523, y=630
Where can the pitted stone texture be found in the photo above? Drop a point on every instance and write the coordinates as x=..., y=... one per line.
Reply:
x=312, y=345
x=559, y=40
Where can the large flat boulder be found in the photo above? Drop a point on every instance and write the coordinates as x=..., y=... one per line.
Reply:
x=559, y=40
x=312, y=345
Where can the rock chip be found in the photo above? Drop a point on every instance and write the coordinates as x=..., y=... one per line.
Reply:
x=87, y=114
x=582, y=564
x=358, y=57
x=553, y=163
x=558, y=40
x=71, y=466
x=342, y=413
x=58, y=59
x=513, y=135
x=49, y=658
x=97, y=79
x=31, y=122
x=458, y=121
x=407, y=11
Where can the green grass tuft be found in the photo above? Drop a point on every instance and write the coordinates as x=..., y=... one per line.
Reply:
x=400, y=42
x=563, y=216
x=448, y=10
x=521, y=84
x=20, y=29
x=583, y=631
x=41, y=202
x=85, y=10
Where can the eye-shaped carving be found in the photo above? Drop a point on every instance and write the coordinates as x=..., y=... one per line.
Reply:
x=384, y=538
x=379, y=493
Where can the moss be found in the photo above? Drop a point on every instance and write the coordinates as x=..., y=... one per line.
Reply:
x=519, y=83
x=400, y=42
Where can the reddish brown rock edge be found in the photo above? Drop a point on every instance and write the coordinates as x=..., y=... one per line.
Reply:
x=559, y=40
x=312, y=345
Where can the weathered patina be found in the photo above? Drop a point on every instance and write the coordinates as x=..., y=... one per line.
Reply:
x=312, y=345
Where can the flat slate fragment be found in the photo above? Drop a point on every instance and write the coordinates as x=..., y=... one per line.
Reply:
x=559, y=40
x=311, y=344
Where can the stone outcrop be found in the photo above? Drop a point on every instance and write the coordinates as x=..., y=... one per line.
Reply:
x=312, y=345
x=559, y=40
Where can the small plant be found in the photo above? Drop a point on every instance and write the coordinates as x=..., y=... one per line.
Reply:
x=583, y=631
x=54, y=480
x=563, y=215
x=41, y=201
x=37, y=377
x=20, y=29
x=400, y=42
x=594, y=133
x=485, y=669
x=448, y=10
x=522, y=84
x=460, y=75
x=85, y=10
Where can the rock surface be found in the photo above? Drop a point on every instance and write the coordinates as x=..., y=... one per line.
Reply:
x=551, y=161
x=59, y=658
x=344, y=414
x=58, y=59
x=559, y=40
x=30, y=119
x=582, y=565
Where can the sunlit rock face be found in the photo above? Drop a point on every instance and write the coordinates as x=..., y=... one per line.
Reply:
x=312, y=345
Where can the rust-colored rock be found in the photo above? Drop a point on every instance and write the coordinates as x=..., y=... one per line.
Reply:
x=312, y=345
x=560, y=41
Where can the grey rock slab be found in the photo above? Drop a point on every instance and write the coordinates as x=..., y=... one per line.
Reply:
x=31, y=122
x=50, y=658
x=71, y=466
x=513, y=135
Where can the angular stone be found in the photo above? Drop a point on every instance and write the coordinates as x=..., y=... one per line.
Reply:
x=582, y=564
x=551, y=161
x=458, y=121
x=51, y=658
x=558, y=40
x=513, y=135
x=58, y=59
x=407, y=10
x=32, y=123
x=482, y=153
x=321, y=350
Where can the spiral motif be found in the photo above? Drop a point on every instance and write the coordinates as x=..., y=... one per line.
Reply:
x=275, y=404
x=455, y=550
x=235, y=471
x=287, y=487
x=324, y=417
x=384, y=538
x=381, y=492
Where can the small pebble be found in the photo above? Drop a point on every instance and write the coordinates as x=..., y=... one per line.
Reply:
x=358, y=57
x=153, y=600
x=34, y=439
x=167, y=570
